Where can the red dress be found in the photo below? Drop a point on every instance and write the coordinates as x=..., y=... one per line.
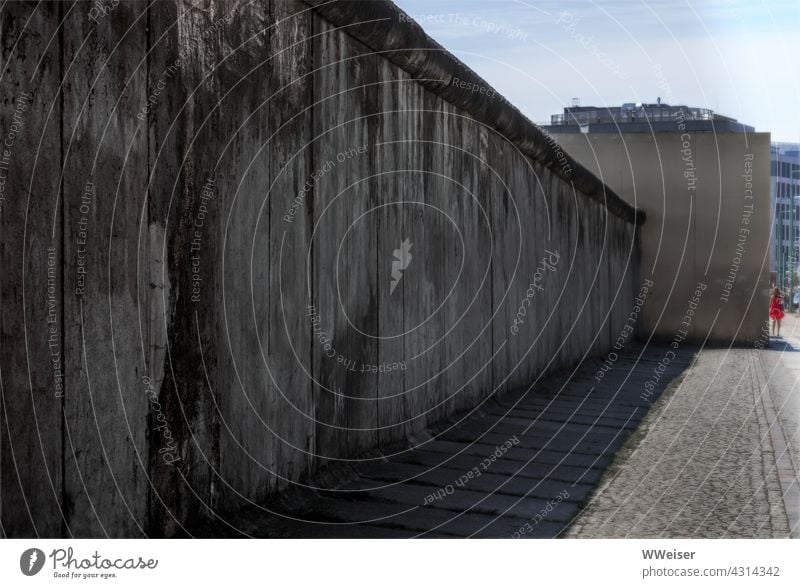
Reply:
x=776, y=308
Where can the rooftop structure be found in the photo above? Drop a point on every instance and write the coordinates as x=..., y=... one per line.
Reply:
x=642, y=118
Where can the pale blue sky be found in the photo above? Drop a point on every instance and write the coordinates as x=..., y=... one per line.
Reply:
x=737, y=57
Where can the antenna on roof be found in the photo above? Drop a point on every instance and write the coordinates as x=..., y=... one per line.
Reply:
x=576, y=102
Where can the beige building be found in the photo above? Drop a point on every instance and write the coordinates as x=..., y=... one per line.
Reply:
x=705, y=244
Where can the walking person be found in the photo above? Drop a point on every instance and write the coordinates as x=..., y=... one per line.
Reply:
x=776, y=311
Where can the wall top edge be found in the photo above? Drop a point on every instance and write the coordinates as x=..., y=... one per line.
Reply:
x=384, y=28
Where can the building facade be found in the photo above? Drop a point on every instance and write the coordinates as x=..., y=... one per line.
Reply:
x=703, y=181
x=785, y=193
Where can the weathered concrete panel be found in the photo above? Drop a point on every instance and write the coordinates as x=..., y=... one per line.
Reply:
x=32, y=344
x=105, y=151
x=290, y=158
x=239, y=257
x=400, y=177
x=345, y=286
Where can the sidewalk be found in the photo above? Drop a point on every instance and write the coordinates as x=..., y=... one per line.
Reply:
x=717, y=455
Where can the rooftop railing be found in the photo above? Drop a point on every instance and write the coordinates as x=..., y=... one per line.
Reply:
x=635, y=114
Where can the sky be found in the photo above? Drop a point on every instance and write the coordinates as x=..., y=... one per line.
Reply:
x=740, y=58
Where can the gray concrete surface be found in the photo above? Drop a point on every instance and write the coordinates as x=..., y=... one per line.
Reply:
x=248, y=161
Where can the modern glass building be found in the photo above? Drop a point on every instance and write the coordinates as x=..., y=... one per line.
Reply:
x=785, y=193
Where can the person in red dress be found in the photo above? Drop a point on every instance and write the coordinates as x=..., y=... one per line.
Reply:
x=776, y=311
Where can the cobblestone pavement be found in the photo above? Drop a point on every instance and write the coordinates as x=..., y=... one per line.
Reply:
x=782, y=372
x=715, y=457
x=518, y=467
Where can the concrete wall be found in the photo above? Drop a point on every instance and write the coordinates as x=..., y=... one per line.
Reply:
x=707, y=200
x=193, y=178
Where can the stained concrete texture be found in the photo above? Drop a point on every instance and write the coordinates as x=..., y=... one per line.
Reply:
x=200, y=307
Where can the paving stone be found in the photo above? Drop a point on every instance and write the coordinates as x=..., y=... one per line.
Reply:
x=442, y=477
x=705, y=467
x=534, y=470
x=574, y=416
x=496, y=504
x=573, y=459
